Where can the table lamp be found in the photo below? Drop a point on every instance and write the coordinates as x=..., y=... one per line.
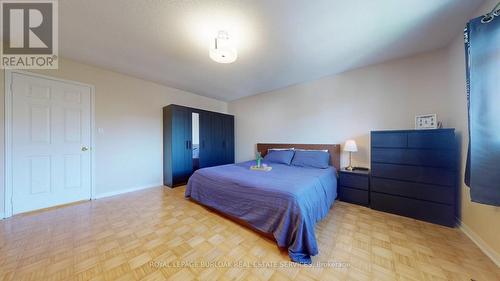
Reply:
x=350, y=146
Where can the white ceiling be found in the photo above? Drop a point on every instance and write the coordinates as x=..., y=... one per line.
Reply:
x=279, y=42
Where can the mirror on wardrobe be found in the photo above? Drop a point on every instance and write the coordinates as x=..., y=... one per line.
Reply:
x=196, y=140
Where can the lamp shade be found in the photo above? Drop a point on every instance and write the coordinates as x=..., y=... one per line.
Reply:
x=222, y=50
x=350, y=145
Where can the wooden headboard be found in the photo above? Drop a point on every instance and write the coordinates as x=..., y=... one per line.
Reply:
x=333, y=149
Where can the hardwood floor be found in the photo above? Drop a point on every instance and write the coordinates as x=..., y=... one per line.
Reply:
x=138, y=235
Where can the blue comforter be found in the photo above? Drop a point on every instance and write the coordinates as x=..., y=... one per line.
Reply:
x=287, y=201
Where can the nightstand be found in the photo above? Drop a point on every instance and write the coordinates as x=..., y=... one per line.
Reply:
x=354, y=186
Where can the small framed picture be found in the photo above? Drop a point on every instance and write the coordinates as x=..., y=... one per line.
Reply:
x=426, y=121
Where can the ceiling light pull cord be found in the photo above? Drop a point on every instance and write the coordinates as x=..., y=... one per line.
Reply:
x=491, y=15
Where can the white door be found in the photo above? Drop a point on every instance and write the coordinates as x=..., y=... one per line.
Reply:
x=51, y=137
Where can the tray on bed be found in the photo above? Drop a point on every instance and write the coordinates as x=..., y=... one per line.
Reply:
x=262, y=168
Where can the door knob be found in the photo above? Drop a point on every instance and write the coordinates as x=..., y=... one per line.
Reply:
x=84, y=148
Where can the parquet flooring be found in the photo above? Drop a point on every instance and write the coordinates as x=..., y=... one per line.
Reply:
x=153, y=235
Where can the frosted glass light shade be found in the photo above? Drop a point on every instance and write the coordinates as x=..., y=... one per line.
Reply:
x=223, y=55
x=222, y=50
x=350, y=146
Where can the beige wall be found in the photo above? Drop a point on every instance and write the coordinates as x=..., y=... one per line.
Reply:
x=344, y=106
x=482, y=220
x=129, y=110
x=384, y=96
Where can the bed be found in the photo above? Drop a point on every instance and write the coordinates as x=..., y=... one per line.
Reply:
x=286, y=202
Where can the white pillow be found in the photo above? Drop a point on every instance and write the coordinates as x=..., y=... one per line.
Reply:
x=324, y=150
x=280, y=149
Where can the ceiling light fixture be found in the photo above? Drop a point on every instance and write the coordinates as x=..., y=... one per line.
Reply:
x=222, y=50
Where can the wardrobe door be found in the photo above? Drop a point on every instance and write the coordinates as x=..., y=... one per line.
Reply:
x=181, y=139
x=218, y=139
x=228, y=142
x=205, y=139
x=167, y=146
x=188, y=137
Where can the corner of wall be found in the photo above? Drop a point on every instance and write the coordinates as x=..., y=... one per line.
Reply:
x=487, y=250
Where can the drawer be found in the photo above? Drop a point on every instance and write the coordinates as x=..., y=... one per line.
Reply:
x=433, y=139
x=384, y=139
x=353, y=195
x=419, y=157
x=353, y=180
x=435, y=193
x=438, y=176
x=422, y=210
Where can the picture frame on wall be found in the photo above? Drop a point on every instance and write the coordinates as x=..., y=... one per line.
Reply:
x=426, y=121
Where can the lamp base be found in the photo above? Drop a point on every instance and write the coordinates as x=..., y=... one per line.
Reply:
x=350, y=167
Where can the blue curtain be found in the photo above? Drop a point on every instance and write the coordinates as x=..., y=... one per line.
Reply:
x=482, y=52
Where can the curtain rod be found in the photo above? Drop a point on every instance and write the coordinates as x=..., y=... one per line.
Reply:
x=495, y=12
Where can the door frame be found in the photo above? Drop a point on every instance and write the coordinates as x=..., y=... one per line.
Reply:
x=8, y=103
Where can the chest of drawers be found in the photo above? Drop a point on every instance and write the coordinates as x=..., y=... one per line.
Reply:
x=414, y=174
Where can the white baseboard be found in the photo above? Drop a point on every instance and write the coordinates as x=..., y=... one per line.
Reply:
x=111, y=193
x=122, y=191
x=492, y=254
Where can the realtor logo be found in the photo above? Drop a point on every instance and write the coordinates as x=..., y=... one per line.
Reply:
x=29, y=34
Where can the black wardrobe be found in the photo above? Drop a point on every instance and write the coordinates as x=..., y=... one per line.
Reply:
x=193, y=139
